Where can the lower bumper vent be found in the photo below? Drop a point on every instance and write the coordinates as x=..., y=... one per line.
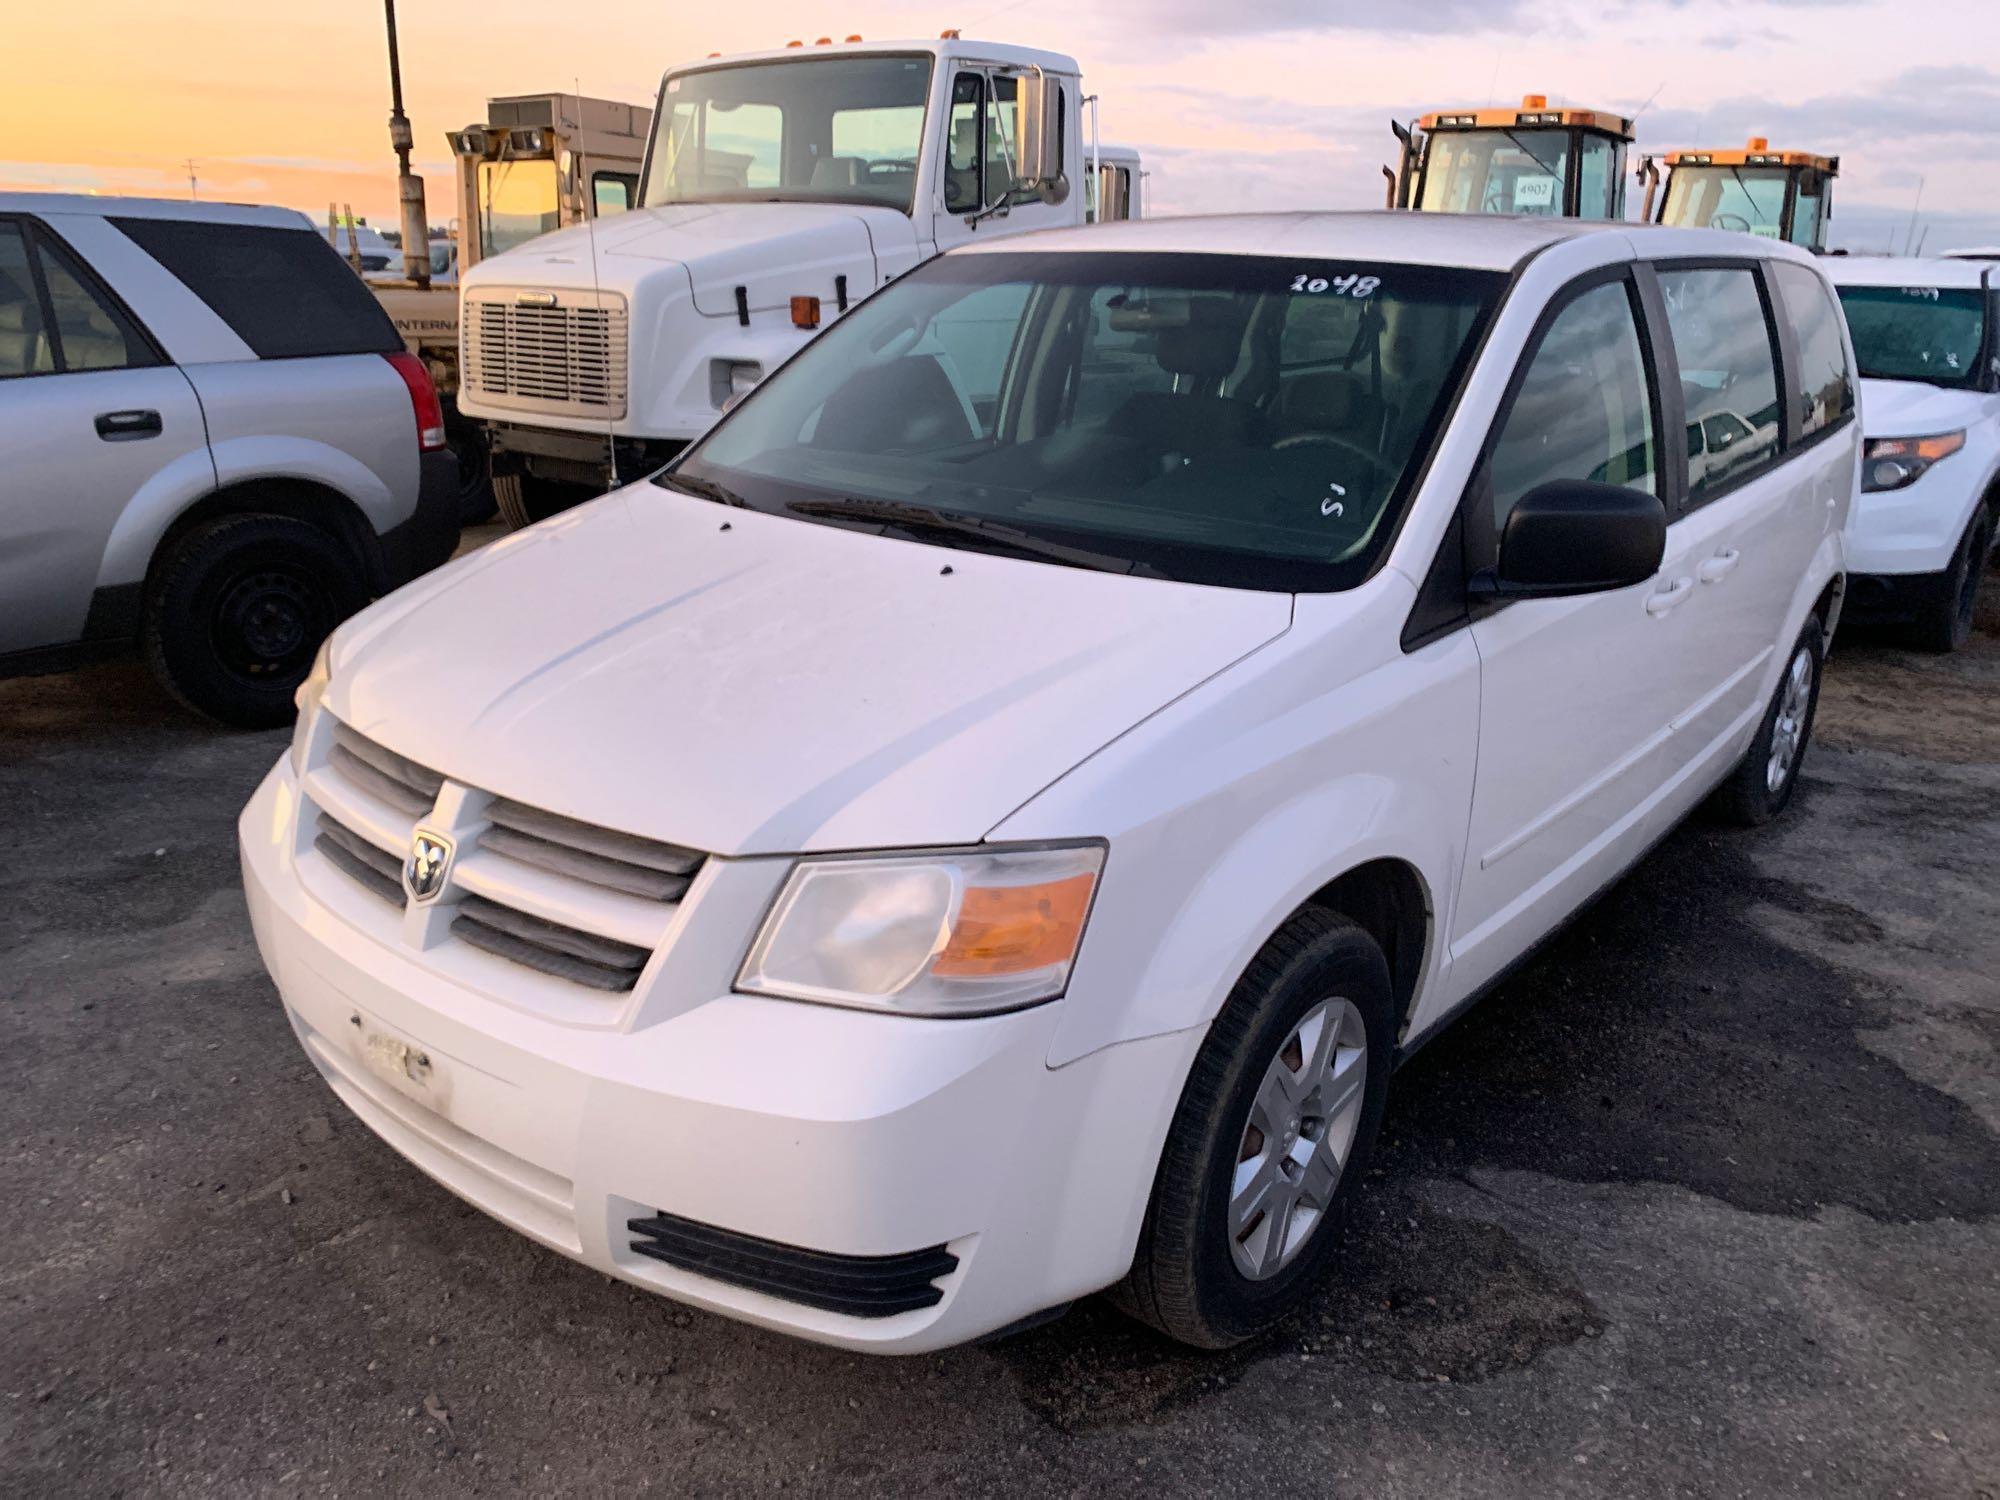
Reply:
x=600, y=962
x=861, y=1286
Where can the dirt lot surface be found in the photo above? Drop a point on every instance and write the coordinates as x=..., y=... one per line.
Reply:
x=1702, y=1203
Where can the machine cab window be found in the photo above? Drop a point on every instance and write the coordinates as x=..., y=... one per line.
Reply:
x=1538, y=161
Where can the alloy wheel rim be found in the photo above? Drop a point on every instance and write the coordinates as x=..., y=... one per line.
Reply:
x=1788, y=731
x=1295, y=1145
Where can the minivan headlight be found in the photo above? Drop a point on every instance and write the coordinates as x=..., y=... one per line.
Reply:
x=1891, y=463
x=950, y=934
x=308, y=697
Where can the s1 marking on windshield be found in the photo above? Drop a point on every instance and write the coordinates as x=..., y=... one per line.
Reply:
x=1340, y=286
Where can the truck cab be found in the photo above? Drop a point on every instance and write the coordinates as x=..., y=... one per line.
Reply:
x=1536, y=160
x=779, y=189
x=1778, y=195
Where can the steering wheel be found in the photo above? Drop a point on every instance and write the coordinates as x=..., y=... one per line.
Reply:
x=1374, y=462
x=1730, y=221
x=891, y=169
x=1496, y=202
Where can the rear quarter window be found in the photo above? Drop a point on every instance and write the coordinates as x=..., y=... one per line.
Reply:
x=1824, y=385
x=285, y=292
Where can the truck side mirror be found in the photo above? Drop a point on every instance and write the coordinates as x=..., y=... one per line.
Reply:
x=1038, y=104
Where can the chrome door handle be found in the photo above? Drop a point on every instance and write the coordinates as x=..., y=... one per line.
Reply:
x=1669, y=597
x=1719, y=567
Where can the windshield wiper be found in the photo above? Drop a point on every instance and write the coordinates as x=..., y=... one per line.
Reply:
x=701, y=489
x=1529, y=153
x=919, y=521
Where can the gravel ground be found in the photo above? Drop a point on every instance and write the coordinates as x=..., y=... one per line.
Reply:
x=1703, y=1202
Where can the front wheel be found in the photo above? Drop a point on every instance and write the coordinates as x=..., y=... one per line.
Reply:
x=1764, y=780
x=237, y=612
x=1274, y=1129
x=1946, y=624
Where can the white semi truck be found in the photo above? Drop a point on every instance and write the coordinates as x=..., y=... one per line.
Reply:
x=778, y=189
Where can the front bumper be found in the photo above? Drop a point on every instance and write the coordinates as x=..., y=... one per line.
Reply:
x=1917, y=529
x=838, y=1132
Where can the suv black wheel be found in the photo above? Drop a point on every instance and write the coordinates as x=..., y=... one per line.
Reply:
x=1946, y=624
x=1274, y=1129
x=1764, y=780
x=238, y=609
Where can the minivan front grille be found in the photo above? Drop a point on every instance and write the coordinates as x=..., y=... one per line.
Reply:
x=583, y=851
x=562, y=353
x=389, y=777
x=577, y=902
x=376, y=870
x=567, y=952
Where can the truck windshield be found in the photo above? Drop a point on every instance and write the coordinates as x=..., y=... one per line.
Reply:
x=839, y=129
x=1255, y=422
x=1749, y=200
x=1496, y=172
x=517, y=202
x=1923, y=333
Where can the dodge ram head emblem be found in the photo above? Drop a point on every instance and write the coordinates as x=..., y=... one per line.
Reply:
x=430, y=857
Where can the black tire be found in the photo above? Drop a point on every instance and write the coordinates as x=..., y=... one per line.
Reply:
x=474, y=456
x=524, y=499
x=1185, y=1280
x=237, y=610
x=1946, y=625
x=1749, y=797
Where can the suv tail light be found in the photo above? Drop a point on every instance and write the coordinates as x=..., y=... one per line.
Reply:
x=424, y=403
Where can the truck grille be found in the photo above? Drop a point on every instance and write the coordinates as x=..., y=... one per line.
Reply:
x=573, y=901
x=566, y=359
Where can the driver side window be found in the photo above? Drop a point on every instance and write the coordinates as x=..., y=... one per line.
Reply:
x=1583, y=410
x=963, y=144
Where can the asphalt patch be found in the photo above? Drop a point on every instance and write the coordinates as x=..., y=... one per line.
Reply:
x=1416, y=1294
x=1666, y=1037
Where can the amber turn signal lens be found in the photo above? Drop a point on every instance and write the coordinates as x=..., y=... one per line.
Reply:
x=805, y=312
x=1014, y=929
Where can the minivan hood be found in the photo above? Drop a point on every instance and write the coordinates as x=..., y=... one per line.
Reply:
x=1911, y=408
x=750, y=684
x=773, y=250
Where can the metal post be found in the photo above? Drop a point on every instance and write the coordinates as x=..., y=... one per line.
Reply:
x=409, y=186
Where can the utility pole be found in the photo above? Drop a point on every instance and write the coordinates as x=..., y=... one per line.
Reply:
x=409, y=186
x=193, y=189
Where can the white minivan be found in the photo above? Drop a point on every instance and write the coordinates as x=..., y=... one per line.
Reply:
x=985, y=824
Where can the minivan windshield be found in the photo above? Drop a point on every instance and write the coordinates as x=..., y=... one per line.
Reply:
x=1241, y=420
x=1926, y=333
x=840, y=129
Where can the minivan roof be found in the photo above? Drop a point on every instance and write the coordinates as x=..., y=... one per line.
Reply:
x=1493, y=242
x=112, y=207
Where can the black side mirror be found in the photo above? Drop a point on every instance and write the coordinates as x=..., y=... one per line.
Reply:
x=1575, y=536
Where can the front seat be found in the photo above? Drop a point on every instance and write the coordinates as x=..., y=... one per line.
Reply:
x=1200, y=354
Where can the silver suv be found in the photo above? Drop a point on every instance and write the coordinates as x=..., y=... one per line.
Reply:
x=215, y=444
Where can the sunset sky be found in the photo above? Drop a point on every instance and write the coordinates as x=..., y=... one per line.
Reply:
x=1244, y=104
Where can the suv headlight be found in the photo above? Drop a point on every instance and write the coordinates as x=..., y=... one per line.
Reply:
x=308, y=697
x=1891, y=463
x=949, y=934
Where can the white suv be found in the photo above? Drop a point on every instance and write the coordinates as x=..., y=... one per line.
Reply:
x=1927, y=336
x=985, y=825
x=216, y=445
